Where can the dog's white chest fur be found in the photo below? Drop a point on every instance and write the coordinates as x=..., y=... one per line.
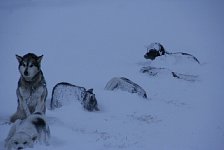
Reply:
x=31, y=95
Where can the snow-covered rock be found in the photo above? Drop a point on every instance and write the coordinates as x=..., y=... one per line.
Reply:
x=125, y=84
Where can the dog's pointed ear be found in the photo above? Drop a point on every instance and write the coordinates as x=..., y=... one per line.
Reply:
x=90, y=91
x=19, y=58
x=39, y=58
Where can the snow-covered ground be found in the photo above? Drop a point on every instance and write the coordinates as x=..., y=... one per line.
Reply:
x=88, y=42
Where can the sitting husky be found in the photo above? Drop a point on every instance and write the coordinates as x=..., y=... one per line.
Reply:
x=24, y=133
x=31, y=91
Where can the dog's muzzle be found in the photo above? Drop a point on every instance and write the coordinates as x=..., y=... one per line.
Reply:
x=26, y=73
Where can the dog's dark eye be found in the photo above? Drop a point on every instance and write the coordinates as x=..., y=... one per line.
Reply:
x=25, y=142
x=16, y=142
x=23, y=64
x=34, y=138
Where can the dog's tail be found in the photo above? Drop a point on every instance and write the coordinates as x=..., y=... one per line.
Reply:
x=40, y=123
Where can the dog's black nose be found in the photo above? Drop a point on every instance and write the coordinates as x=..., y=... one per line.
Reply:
x=26, y=73
x=19, y=148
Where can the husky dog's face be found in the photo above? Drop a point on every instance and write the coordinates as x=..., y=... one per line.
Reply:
x=89, y=101
x=21, y=141
x=29, y=65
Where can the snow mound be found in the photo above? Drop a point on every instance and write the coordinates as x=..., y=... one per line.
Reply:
x=185, y=64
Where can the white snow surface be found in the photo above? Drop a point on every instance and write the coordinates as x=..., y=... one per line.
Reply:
x=86, y=43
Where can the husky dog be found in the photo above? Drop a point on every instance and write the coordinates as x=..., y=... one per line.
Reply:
x=125, y=84
x=153, y=71
x=24, y=133
x=31, y=91
x=64, y=93
x=156, y=49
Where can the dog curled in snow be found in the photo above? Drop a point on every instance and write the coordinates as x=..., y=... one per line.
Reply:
x=125, y=84
x=31, y=91
x=153, y=71
x=156, y=49
x=24, y=133
x=64, y=93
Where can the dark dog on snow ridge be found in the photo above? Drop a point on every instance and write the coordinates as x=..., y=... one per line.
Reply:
x=156, y=49
x=31, y=91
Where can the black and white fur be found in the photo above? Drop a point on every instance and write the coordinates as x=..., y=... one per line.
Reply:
x=156, y=49
x=31, y=91
x=125, y=84
x=24, y=133
x=64, y=93
x=89, y=101
x=153, y=71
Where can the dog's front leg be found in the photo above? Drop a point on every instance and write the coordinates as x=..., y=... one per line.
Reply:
x=41, y=104
x=26, y=108
x=23, y=103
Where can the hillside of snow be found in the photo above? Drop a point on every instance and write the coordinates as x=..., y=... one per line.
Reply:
x=87, y=43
